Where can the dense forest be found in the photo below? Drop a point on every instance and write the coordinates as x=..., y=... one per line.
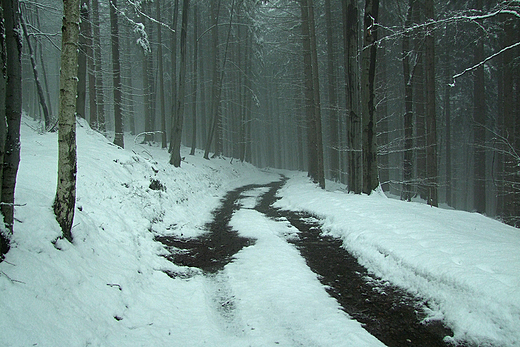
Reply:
x=420, y=97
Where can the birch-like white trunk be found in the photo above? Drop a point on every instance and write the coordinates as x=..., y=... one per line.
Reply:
x=65, y=200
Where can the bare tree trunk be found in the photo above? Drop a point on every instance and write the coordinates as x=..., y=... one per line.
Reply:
x=510, y=124
x=173, y=48
x=308, y=91
x=116, y=71
x=41, y=96
x=100, y=103
x=317, y=128
x=13, y=114
x=65, y=200
x=431, y=116
x=89, y=52
x=82, y=60
x=249, y=99
x=352, y=71
x=447, y=116
x=368, y=72
x=146, y=98
x=195, y=77
x=12, y=56
x=419, y=103
x=479, y=124
x=44, y=73
x=408, y=115
x=164, y=140
x=175, y=158
x=333, y=100
x=218, y=79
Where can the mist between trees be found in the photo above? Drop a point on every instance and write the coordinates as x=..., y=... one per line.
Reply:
x=421, y=97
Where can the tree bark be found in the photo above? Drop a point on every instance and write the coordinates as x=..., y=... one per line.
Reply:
x=308, y=90
x=333, y=100
x=164, y=141
x=175, y=158
x=317, y=128
x=116, y=73
x=44, y=73
x=13, y=115
x=431, y=115
x=408, y=115
x=479, y=123
x=419, y=103
x=82, y=61
x=447, y=117
x=352, y=84
x=174, y=82
x=100, y=96
x=89, y=47
x=511, y=200
x=41, y=96
x=218, y=79
x=65, y=200
x=215, y=83
x=195, y=77
x=370, y=169
x=312, y=100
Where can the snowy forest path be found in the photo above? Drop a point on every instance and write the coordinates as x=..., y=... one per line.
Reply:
x=392, y=315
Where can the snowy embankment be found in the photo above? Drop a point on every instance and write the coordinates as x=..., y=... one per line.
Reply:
x=466, y=265
x=109, y=288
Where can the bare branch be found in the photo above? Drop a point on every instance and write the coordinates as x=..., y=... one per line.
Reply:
x=482, y=62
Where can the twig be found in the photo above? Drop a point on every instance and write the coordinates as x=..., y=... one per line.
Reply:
x=11, y=204
x=10, y=279
x=115, y=285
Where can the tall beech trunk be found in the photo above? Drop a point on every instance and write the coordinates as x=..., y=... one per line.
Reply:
x=479, y=124
x=368, y=72
x=164, y=141
x=82, y=61
x=174, y=78
x=352, y=85
x=195, y=77
x=312, y=100
x=333, y=100
x=89, y=46
x=175, y=158
x=317, y=128
x=65, y=200
x=116, y=75
x=44, y=73
x=100, y=96
x=431, y=115
x=218, y=79
x=408, y=115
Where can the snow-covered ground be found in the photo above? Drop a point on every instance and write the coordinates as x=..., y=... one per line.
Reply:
x=109, y=288
x=466, y=265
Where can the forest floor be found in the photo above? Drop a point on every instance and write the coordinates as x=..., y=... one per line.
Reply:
x=221, y=253
x=389, y=313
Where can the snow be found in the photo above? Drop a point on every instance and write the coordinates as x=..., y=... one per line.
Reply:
x=464, y=264
x=109, y=288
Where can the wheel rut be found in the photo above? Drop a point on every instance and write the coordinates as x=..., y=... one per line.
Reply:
x=389, y=313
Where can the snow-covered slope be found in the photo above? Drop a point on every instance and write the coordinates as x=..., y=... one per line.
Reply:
x=74, y=295
x=108, y=288
x=466, y=265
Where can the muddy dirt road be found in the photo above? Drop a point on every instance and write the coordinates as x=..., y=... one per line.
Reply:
x=387, y=312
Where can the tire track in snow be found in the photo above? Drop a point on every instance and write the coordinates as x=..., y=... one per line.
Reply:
x=392, y=315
